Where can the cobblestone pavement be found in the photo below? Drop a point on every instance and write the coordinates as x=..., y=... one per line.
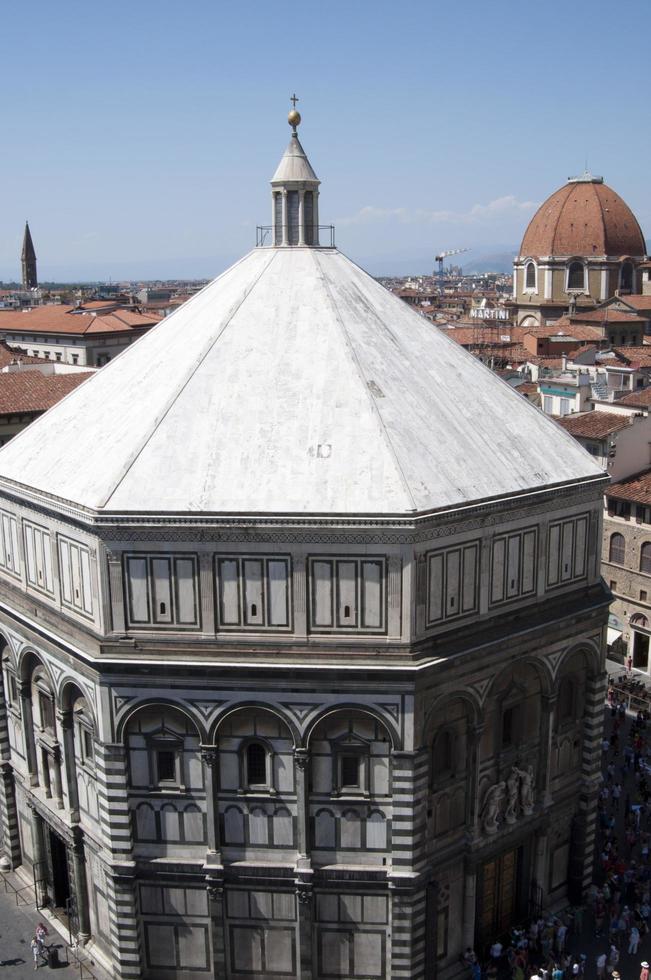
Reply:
x=17, y=926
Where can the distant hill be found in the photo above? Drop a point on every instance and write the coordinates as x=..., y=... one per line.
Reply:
x=491, y=262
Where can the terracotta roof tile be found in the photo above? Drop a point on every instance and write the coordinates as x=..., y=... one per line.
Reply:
x=9, y=355
x=634, y=356
x=606, y=315
x=570, y=330
x=33, y=391
x=583, y=218
x=637, y=399
x=68, y=320
x=636, y=488
x=593, y=425
x=637, y=301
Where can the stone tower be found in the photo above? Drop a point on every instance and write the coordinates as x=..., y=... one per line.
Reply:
x=28, y=260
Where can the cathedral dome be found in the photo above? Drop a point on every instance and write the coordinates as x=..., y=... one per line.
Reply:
x=584, y=217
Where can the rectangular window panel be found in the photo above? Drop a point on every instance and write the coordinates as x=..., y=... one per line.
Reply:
x=162, y=582
x=322, y=581
x=368, y=951
x=277, y=593
x=13, y=523
x=75, y=565
x=354, y=586
x=335, y=950
x=11, y=553
x=347, y=593
x=452, y=577
x=254, y=592
x=193, y=947
x=513, y=567
x=86, y=587
x=469, y=598
x=435, y=591
x=580, y=547
x=497, y=575
x=253, y=596
x=3, y=552
x=186, y=600
x=279, y=951
x=30, y=557
x=161, y=946
x=553, y=554
x=138, y=590
x=567, y=557
x=66, y=577
x=528, y=562
x=42, y=549
x=230, y=591
x=371, y=594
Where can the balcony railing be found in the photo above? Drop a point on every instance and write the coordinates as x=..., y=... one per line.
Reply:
x=324, y=233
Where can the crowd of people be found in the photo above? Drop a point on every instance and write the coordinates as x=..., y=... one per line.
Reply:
x=602, y=937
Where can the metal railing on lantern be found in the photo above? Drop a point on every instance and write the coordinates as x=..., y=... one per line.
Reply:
x=265, y=237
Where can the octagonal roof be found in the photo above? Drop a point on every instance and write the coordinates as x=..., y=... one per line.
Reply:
x=293, y=383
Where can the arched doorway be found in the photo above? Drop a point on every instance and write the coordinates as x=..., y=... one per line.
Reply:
x=640, y=634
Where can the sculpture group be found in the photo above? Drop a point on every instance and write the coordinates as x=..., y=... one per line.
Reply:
x=507, y=799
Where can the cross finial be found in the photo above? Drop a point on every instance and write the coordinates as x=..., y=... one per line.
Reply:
x=294, y=99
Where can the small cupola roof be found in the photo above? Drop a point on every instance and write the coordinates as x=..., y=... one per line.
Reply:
x=294, y=165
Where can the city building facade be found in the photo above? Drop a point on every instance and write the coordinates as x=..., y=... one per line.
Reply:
x=627, y=564
x=303, y=659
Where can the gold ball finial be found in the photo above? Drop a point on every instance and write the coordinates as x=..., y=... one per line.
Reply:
x=294, y=118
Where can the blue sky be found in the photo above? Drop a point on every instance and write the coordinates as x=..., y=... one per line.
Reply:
x=139, y=137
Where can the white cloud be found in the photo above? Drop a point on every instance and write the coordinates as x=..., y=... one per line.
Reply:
x=501, y=207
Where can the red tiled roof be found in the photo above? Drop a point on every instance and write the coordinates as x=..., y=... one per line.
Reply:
x=583, y=218
x=593, y=425
x=32, y=391
x=636, y=300
x=9, y=355
x=606, y=315
x=569, y=330
x=69, y=320
x=634, y=356
x=582, y=350
x=636, y=488
x=637, y=399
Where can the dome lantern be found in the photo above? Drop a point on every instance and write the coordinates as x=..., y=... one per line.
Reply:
x=295, y=194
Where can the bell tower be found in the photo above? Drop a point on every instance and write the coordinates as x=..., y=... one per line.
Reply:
x=295, y=194
x=28, y=261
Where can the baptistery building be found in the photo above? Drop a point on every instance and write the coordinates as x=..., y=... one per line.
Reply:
x=582, y=246
x=302, y=646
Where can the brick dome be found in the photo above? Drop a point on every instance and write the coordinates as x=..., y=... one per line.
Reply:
x=585, y=217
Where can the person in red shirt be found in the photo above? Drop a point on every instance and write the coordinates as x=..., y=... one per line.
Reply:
x=644, y=972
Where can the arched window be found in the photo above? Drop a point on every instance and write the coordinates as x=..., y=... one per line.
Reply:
x=626, y=277
x=566, y=700
x=576, y=276
x=443, y=755
x=530, y=276
x=256, y=765
x=639, y=620
x=617, y=552
x=645, y=557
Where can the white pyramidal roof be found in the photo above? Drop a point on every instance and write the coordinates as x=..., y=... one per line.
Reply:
x=292, y=383
x=294, y=164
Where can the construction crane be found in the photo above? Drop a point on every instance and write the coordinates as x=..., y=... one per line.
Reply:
x=444, y=255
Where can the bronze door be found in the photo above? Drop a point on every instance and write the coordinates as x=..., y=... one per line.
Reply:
x=498, y=895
